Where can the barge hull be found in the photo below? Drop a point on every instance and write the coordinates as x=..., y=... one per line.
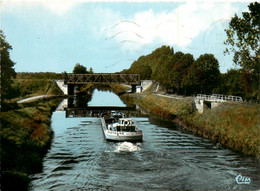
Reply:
x=117, y=137
x=123, y=138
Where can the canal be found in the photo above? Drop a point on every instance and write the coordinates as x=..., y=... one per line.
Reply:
x=167, y=159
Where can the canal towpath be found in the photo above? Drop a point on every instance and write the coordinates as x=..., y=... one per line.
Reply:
x=34, y=98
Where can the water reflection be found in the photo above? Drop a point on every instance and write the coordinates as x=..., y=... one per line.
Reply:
x=94, y=97
x=100, y=102
x=82, y=98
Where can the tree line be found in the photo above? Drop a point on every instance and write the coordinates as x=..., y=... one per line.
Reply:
x=177, y=71
x=39, y=75
x=180, y=73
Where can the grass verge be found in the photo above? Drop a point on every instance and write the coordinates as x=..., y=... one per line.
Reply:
x=234, y=126
x=25, y=137
x=25, y=88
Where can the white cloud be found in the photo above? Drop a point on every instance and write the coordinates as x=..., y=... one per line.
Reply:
x=177, y=27
x=58, y=7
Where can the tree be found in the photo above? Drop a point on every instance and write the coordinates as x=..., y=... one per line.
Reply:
x=204, y=74
x=79, y=69
x=185, y=62
x=145, y=72
x=243, y=35
x=231, y=84
x=91, y=70
x=7, y=70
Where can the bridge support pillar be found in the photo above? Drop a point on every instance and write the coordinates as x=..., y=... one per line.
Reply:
x=71, y=89
x=199, y=105
x=133, y=88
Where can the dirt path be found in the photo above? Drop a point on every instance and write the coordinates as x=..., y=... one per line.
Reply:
x=169, y=96
x=33, y=98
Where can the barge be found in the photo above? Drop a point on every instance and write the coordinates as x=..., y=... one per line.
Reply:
x=118, y=128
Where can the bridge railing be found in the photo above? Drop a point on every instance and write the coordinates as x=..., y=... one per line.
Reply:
x=132, y=79
x=229, y=97
x=219, y=98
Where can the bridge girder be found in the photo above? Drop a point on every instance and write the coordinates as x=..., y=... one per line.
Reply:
x=130, y=79
x=101, y=78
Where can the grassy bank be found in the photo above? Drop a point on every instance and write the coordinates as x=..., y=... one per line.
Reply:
x=165, y=107
x=25, y=130
x=33, y=87
x=234, y=126
x=27, y=85
x=25, y=137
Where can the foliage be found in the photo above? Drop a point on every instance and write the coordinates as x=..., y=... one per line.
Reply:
x=80, y=69
x=204, y=74
x=181, y=71
x=165, y=107
x=7, y=70
x=231, y=83
x=25, y=137
x=141, y=68
x=31, y=84
x=243, y=35
x=178, y=72
x=239, y=82
x=235, y=126
x=84, y=95
x=39, y=75
x=118, y=88
x=91, y=71
x=147, y=66
x=32, y=87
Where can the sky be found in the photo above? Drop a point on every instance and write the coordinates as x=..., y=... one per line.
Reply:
x=53, y=36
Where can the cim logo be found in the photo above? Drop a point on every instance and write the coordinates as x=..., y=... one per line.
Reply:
x=242, y=179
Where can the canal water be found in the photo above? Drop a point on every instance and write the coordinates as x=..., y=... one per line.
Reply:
x=168, y=158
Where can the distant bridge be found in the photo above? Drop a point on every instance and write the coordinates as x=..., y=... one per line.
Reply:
x=214, y=100
x=101, y=78
x=219, y=98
